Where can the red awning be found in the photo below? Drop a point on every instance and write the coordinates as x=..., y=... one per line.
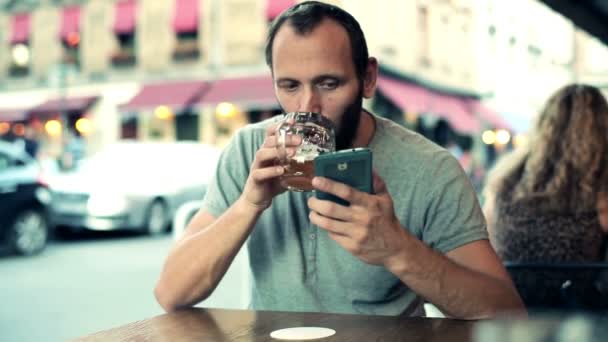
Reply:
x=70, y=21
x=407, y=96
x=177, y=95
x=185, y=18
x=69, y=104
x=247, y=92
x=491, y=117
x=455, y=111
x=12, y=114
x=124, y=17
x=275, y=7
x=20, y=28
x=417, y=99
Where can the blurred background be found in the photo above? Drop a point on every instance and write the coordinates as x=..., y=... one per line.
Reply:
x=113, y=113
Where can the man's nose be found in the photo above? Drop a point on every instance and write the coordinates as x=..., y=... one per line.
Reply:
x=310, y=101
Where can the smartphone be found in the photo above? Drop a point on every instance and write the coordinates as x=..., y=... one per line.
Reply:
x=352, y=167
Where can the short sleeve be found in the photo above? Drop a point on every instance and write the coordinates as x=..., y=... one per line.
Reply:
x=230, y=175
x=453, y=217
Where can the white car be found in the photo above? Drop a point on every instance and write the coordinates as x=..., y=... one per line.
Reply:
x=132, y=185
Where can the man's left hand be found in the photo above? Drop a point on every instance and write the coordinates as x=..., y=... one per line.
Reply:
x=368, y=228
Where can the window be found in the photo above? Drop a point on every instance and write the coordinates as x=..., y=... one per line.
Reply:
x=125, y=53
x=492, y=30
x=20, y=60
x=129, y=128
x=535, y=55
x=124, y=31
x=187, y=126
x=423, y=36
x=70, y=35
x=71, y=47
x=19, y=50
x=185, y=25
x=186, y=47
x=5, y=162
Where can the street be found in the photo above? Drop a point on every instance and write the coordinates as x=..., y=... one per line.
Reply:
x=80, y=284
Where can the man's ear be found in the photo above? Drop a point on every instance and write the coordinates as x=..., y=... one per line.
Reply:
x=371, y=74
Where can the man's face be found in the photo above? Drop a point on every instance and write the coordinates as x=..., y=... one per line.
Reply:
x=315, y=73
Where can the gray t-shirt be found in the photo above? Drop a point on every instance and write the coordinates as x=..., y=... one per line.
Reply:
x=295, y=266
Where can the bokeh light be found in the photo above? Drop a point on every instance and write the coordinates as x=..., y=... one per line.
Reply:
x=488, y=137
x=4, y=127
x=84, y=126
x=19, y=129
x=520, y=140
x=503, y=137
x=53, y=127
x=163, y=112
x=21, y=55
x=73, y=39
x=225, y=110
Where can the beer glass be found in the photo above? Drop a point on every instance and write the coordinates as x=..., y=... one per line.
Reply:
x=318, y=136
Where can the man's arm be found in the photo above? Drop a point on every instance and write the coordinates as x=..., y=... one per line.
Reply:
x=469, y=282
x=199, y=260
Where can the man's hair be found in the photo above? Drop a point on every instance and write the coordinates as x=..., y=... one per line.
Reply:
x=306, y=16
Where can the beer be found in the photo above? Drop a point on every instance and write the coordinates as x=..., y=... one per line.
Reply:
x=318, y=137
x=298, y=174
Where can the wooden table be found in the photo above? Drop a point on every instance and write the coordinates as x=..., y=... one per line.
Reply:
x=244, y=325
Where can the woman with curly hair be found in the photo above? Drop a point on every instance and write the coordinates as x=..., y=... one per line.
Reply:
x=546, y=202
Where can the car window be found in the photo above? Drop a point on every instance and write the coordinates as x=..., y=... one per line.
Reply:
x=5, y=161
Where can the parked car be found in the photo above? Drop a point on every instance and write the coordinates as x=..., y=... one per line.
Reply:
x=24, y=199
x=132, y=185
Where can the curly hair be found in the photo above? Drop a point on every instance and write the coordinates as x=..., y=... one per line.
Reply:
x=567, y=155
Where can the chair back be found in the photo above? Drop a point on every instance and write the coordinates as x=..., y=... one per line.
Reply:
x=561, y=286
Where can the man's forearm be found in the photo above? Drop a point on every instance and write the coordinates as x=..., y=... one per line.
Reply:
x=196, y=264
x=457, y=291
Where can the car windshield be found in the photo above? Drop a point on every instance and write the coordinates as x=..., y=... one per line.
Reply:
x=143, y=158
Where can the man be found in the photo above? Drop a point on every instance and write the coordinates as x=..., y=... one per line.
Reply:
x=421, y=234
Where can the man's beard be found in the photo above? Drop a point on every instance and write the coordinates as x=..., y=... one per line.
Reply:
x=346, y=130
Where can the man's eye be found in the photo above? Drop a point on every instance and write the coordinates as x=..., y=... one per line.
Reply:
x=328, y=85
x=288, y=86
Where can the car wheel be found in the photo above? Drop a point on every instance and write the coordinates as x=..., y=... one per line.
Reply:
x=29, y=232
x=157, y=218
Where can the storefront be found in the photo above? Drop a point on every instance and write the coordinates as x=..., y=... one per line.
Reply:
x=206, y=111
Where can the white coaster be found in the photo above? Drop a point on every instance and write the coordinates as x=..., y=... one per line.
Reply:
x=302, y=333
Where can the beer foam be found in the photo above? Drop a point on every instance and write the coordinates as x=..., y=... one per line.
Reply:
x=303, y=158
x=309, y=151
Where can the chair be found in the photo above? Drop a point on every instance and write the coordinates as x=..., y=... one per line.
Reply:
x=561, y=286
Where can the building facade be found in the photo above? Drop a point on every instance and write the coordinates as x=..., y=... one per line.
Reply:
x=194, y=69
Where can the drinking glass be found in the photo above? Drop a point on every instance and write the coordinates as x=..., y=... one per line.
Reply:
x=318, y=136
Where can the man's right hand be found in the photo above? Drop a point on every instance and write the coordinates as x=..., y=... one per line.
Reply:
x=263, y=182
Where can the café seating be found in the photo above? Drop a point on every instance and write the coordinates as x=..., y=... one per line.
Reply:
x=561, y=286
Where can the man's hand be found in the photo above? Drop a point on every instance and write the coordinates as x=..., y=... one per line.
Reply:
x=263, y=182
x=368, y=228
x=468, y=283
